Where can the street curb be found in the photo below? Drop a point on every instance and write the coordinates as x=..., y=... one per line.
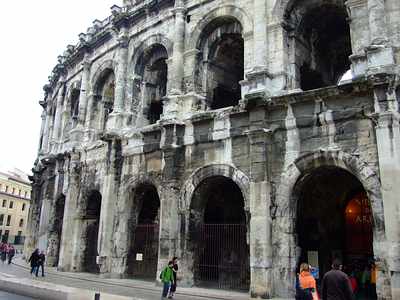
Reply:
x=49, y=291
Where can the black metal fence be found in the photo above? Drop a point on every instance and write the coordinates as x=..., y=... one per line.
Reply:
x=221, y=256
x=142, y=261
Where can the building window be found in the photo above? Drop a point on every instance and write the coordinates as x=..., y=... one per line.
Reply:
x=6, y=190
x=1, y=233
x=4, y=203
x=8, y=220
x=19, y=192
x=26, y=194
x=23, y=206
x=11, y=204
x=21, y=222
x=1, y=219
x=18, y=238
x=13, y=191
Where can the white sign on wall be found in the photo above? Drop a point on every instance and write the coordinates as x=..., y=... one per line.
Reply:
x=139, y=256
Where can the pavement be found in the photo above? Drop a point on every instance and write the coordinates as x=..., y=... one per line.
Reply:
x=8, y=296
x=18, y=279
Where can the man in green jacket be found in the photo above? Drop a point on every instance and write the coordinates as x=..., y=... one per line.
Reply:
x=167, y=278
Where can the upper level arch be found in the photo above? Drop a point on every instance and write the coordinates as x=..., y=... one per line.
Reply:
x=319, y=38
x=150, y=74
x=220, y=62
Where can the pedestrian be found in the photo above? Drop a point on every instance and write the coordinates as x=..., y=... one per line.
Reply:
x=306, y=287
x=11, y=253
x=167, y=278
x=3, y=253
x=42, y=259
x=175, y=271
x=34, y=259
x=336, y=285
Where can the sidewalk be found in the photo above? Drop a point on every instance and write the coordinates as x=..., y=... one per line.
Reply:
x=122, y=287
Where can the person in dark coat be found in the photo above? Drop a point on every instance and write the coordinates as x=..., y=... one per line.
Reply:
x=336, y=285
x=175, y=271
x=34, y=260
x=3, y=252
x=42, y=259
x=11, y=253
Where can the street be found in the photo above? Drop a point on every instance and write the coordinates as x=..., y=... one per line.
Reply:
x=7, y=296
x=111, y=286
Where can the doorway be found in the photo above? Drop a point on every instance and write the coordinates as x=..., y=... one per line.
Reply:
x=334, y=221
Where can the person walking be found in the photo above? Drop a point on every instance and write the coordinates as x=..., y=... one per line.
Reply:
x=11, y=254
x=40, y=264
x=175, y=271
x=3, y=253
x=306, y=287
x=167, y=278
x=336, y=285
x=34, y=259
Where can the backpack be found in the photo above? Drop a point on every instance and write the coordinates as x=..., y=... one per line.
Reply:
x=162, y=274
x=303, y=294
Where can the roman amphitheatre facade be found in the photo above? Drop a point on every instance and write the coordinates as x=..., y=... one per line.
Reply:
x=243, y=137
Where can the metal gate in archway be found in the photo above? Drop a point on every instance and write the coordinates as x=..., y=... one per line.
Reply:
x=144, y=256
x=222, y=256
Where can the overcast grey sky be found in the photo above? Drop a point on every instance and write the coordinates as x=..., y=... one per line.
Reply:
x=33, y=34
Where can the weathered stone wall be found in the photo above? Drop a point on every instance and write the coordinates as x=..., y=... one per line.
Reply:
x=96, y=136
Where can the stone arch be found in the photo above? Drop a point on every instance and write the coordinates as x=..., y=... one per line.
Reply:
x=319, y=33
x=284, y=212
x=224, y=170
x=221, y=11
x=141, y=46
x=100, y=72
x=121, y=243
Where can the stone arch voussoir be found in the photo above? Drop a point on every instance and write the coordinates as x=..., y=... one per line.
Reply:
x=224, y=170
x=222, y=11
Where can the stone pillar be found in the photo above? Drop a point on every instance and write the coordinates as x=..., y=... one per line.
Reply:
x=109, y=193
x=43, y=117
x=388, y=143
x=117, y=116
x=46, y=131
x=84, y=91
x=380, y=53
x=55, y=225
x=260, y=42
x=377, y=22
x=171, y=104
x=260, y=221
x=70, y=212
x=59, y=108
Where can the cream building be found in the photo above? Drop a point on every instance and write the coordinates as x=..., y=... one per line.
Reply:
x=15, y=193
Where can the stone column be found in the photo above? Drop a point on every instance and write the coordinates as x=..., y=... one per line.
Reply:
x=171, y=105
x=84, y=91
x=388, y=143
x=59, y=108
x=46, y=131
x=260, y=221
x=70, y=212
x=116, y=118
x=260, y=42
x=377, y=21
x=43, y=117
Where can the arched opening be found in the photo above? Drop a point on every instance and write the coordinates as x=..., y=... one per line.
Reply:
x=74, y=103
x=144, y=232
x=91, y=225
x=218, y=235
x=104, y=99
x=322, y=42
x=220, y=65
x=152, y=69
x=334, y=221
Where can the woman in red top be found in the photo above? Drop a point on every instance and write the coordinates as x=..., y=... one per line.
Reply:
x=307, y=281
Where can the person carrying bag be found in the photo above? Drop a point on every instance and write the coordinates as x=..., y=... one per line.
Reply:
x=306, y=287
